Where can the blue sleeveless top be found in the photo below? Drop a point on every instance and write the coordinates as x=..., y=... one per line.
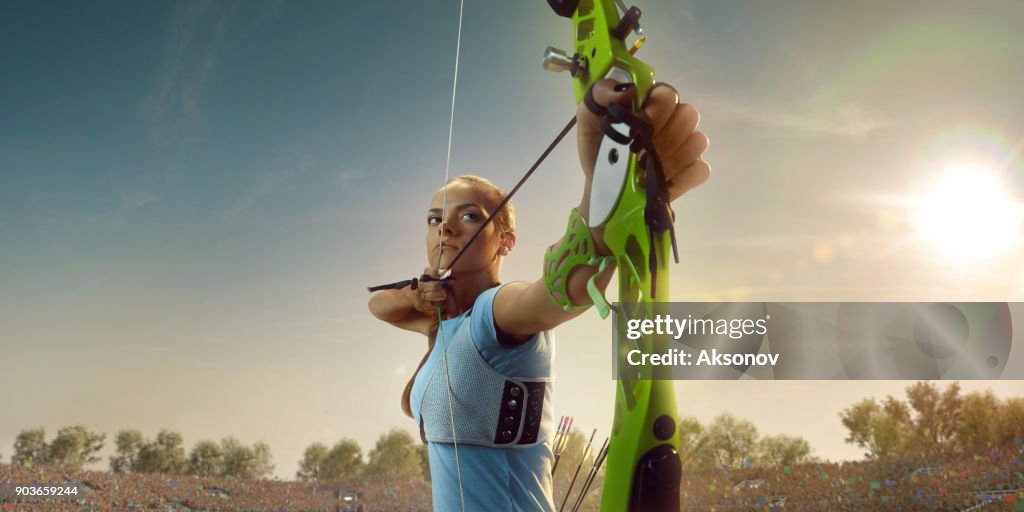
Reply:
x=494, y=478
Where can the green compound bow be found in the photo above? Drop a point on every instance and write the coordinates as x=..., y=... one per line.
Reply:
x=643, y=468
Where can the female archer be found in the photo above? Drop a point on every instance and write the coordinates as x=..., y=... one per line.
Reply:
x=482, y=393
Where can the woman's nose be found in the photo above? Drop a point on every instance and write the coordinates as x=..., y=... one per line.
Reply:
x=446, y=228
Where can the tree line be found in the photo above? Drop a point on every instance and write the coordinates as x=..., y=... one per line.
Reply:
x=732, y=443
x=932, y=421
x=396, y=456
x=74, y=447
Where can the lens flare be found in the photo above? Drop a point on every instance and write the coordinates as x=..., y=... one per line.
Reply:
x=968, y=215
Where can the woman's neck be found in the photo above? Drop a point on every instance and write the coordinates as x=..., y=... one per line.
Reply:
x=466, y=287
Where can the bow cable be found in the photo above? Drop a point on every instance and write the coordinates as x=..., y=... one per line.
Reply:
x=444, y=209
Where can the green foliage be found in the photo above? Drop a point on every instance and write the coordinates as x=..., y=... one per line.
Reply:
x=935, y=415
x=730, y=441
x=164, y=455
x=883, y=430
x=694, y=451
x=128, y=444
x=74, y=447
x=783, y=450
x=1011, y=420
x=206, y=459
x=245, y=462
x=263, y=465
x=933, y=420
x=344, y=462
x=30, y=446
x=424, y=460
x=395, y=457
x=978, y=426
x=312, y=463
x=857, y=420
x=890, y=436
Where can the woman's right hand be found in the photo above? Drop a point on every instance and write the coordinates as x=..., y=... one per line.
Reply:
x=429, y=295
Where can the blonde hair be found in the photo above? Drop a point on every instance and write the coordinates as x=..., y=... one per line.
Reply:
x=505, y=222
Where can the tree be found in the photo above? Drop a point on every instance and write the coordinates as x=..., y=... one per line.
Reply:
x=30, y=446
x=164, y=455
x=1011, y=420
x=424, y=453
x=239, y=460
x=394, y=458
x=694, y=452
x=128, y=444
x=978, y=424
x=936, y=414
x=731, y=441
x=857, y=420
x=263, y=465
x=206, y=459
x=924, y=399
x=344, y=462
x=898, y=410
x=74, y=447
x=246, y=462
x=312, y=463
x=783, y=450
x=890, y=436
x=950, y=405
x=878, y=429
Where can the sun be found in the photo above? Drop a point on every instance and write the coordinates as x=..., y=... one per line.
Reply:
x=967, y=214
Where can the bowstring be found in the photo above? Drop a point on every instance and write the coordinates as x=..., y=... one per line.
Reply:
x=444, y=211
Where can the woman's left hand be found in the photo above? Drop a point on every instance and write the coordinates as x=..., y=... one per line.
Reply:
x=675, y=136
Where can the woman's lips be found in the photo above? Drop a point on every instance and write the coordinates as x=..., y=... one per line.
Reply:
x=445, y=246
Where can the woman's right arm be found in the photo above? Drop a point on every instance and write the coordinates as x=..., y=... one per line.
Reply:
x=398, y=308
x=412, y=310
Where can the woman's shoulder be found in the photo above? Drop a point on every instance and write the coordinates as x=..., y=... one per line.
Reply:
x=488, y=304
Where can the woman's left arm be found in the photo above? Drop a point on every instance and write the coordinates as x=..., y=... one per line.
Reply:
x=522, y=309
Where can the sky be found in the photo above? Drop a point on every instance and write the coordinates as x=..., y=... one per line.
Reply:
x=194, y=195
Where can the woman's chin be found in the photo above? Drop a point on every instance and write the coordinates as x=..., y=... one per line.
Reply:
x=441, y=263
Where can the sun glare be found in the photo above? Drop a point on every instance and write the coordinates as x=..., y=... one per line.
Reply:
x=967, y=215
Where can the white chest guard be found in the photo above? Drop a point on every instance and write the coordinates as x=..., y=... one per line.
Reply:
x=490, y=409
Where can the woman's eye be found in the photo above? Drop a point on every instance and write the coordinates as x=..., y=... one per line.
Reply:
x=433, y=220
x=470, y=217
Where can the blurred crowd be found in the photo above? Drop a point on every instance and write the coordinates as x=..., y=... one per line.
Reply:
x=104, y=491
x=989, y=481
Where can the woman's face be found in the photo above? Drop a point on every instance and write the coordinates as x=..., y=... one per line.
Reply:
x=465, y=210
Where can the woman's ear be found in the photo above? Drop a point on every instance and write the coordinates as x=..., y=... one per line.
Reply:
x=508, y=240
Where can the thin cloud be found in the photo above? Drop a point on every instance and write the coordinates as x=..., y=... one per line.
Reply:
x=849, y=120
x=187, y=64
x=135, y=199
x=345, y=178
x=266, y=184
